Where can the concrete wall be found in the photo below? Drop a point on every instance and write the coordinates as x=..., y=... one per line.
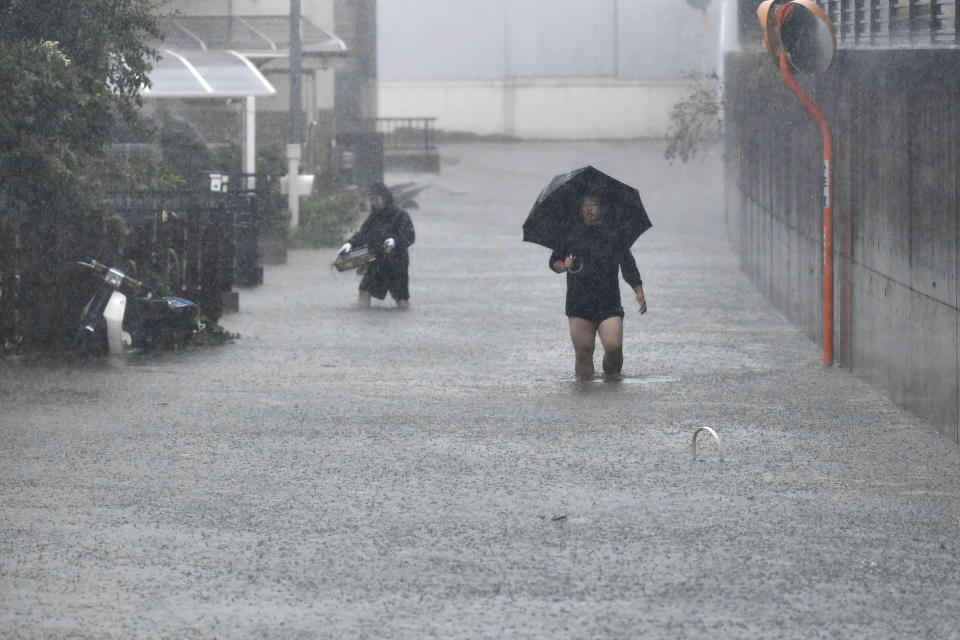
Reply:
x=539, y=108
x=497, y=39
x=895, y=128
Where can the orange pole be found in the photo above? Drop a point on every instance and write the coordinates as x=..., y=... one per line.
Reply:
x=827, y=209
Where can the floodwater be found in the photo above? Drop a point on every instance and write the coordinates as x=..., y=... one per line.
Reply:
x=347, y=473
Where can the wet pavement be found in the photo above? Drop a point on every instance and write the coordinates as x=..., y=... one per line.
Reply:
x=438, y=472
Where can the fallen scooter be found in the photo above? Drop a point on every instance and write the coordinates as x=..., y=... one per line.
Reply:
x=124, y=316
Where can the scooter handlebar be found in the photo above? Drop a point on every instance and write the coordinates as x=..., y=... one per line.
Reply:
x=113, y=276
x=93, y=264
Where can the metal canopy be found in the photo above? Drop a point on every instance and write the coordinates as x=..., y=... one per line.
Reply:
x=217, y=56
x=256, y=37
x=202, y=73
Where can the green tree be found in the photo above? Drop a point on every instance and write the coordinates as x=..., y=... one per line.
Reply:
x=67, y=70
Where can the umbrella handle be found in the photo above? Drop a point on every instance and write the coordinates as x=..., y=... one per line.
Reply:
x=579, y=267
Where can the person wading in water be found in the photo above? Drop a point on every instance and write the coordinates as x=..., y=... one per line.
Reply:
x=592, y=258
x=389, y=232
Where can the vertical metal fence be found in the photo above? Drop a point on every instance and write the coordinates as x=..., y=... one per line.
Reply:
x=893, y=23
x=11, y=283
x=194, y=244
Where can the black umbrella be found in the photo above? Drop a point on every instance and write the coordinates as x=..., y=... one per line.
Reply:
x=556, y=213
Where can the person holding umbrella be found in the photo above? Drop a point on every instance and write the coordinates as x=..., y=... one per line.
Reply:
x=591, y=261
x=590, y=221
x=387, y=231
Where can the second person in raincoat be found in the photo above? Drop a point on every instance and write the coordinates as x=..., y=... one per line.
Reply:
x=388, y=232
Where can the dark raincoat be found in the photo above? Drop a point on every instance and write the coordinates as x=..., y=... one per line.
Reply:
x=389, y=273
x=594, y=292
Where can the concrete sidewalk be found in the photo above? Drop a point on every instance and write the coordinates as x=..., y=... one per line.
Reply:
x=339, y=473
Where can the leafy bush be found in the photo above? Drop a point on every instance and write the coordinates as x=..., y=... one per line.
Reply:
x=695, y=120
x=327, y=216
x=334, y=208
x=272, y=159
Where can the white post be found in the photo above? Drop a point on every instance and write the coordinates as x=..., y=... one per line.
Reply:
x=728, y=42
x=250, y=143
x=728, y=33
x=293, y=190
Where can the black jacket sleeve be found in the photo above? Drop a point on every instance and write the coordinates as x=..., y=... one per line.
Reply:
x=360, y=237
x=405, y=234
x=628, y=267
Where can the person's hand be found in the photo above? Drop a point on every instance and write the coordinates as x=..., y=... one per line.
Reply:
x=641, y=300
x=389, y=243
x=573, y=264
x=345, y=248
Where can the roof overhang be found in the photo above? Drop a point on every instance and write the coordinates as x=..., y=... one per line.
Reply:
x=256, y=37
x=222, y=56
x=202, y=73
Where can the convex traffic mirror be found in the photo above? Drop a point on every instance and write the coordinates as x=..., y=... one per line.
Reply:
x=806, y=35
x=800, y=29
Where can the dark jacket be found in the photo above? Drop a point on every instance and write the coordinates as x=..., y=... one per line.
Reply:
x=596, y=286
x=389, y=273
x=389, y=222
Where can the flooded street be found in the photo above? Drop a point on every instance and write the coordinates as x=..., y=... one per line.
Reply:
x=439, y=472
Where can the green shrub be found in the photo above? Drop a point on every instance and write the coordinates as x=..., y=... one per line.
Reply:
x=327, y=216
x=334, y=208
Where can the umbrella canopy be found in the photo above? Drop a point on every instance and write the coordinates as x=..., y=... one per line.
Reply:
x=556, y=213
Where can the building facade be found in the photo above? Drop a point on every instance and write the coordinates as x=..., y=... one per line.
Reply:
x=890, y=100
x=539, y=69
x=258, y=30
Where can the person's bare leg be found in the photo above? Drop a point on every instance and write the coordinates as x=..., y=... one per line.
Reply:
x=363, y=299
x=583, y=334
x=611, y=337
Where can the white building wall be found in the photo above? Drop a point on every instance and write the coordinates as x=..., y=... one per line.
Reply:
x=496, y=39
x=539, y=108
x=471, y=106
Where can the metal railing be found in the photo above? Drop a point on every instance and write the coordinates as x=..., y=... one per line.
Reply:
x=11, y=329
x=408, y=143
x=406, y=133
x=894, y=23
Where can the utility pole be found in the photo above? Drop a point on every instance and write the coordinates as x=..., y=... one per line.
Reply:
x=296, y=118
x=296, y=92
